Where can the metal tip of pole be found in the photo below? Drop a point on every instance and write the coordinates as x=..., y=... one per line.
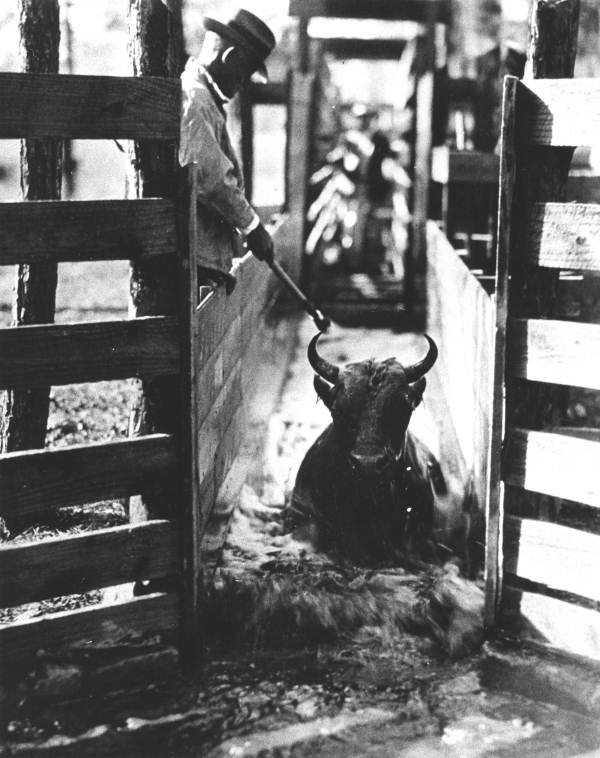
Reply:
x=322, y=322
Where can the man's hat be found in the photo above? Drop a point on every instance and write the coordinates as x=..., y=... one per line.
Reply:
x=249, y=32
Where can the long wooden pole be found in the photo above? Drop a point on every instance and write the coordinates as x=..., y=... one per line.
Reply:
x=24, y=413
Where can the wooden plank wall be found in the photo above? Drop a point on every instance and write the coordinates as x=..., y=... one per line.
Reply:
x=546, y=487
x=460, y=319
x=36, y=482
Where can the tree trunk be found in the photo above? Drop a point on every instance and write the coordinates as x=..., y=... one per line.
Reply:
x=157, y=49
x=25, y=411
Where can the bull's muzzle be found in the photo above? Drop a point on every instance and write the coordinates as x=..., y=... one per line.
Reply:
x=370, y=466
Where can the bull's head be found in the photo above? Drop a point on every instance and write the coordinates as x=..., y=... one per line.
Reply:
x=371, y=403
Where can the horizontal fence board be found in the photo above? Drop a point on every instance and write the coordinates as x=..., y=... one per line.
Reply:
x=69, y=565
x=40, y=480
x=365, y=49
x=559, y=111
x=390, y=10
x=553, y=464
x=464, y=166
x=462, y=88
x=54, y=231
x=553, y=555
x=88, y=107
x=557, y=352
x=271, y=93
x=565, y=236
x=34, y=356
x=20, y=641
x=551, y=622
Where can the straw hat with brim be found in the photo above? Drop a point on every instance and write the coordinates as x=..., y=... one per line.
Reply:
x=249, y=32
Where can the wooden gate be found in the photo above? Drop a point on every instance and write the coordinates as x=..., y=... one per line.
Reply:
x=216, y=346
x=542, y=567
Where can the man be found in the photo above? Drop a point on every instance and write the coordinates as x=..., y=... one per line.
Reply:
x=231, y=55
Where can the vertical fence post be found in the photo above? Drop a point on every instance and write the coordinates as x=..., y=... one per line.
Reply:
x=24, y=412
x=416, y=260
x=300, y=116
x=191, y=641
x=157, y=49
x=551, y=54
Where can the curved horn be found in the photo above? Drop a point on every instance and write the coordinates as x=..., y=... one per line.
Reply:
x=419, y=369
x=320, y=365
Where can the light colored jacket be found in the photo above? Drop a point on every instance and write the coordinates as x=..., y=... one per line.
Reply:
x=223, y=209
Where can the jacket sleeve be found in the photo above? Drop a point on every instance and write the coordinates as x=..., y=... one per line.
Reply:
x=218, y=185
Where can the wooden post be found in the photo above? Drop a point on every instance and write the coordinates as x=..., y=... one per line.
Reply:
x=24, y=414
x=551, y=54
x=300, y=129
x=416, y=261
x=69, y=163
x=169, y=287
x=157, y=49
x=303, y=45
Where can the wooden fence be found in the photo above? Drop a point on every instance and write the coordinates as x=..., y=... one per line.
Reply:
x=460, y=317
x=216, y=345
x=542, y=568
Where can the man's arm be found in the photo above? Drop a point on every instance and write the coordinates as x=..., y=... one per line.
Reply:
x=218, y=186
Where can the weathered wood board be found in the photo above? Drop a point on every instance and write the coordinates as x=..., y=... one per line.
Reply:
x=88, y=107
x=547, y=111
x=558, y=352
x=83, y=562
x=390, y=10
x=564, y=236
x=36, y=481
x=554, y=464
x=88, y=352
x=20, y=641
x=553, y=555
x=86, y=230
x=460, y=316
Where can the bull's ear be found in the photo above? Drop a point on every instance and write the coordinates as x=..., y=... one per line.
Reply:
x=415, y=392
x=324, y=391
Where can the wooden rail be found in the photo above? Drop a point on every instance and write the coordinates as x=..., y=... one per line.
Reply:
x=19, y=642
x=57, y=231
x=463, y=167
x=88, y=107
x=548, y=107
x=85, y=562
x=559, y=465
x=542, y=552
x=564, y=236
x=37, y=481
x=88, y=352
x=389, y=10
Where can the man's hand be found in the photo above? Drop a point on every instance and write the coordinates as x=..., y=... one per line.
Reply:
x=261, y=244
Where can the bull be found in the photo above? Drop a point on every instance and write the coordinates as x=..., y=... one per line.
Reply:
x=367, y=486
